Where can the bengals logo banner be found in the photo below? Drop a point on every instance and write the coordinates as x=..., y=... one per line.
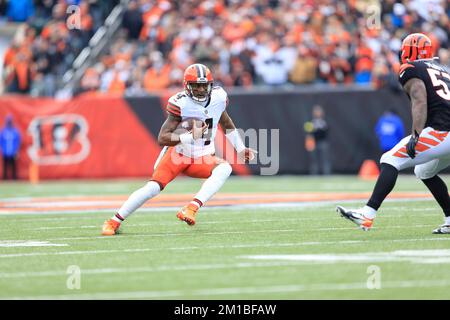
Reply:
x=91, y=136
x=59, y=140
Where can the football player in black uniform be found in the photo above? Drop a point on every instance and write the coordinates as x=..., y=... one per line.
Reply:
x=427, y=84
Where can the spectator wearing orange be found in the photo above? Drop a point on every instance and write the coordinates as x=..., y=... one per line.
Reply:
x=157, y=76
x=90, y=82
x=20, y=74
x=364, y=65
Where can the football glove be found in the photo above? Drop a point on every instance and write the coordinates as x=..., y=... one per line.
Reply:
x=411, y=145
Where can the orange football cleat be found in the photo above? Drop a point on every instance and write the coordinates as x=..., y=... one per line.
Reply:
x=187, y=214
x=110, y=227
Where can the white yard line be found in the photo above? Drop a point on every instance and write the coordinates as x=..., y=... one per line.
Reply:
x=287, y=260
x=234, y=221
x=374, y=228
x=436, y=256
x=384, y=214
x=230, y=246
x=29, y=243
x=237, y=207
x=226, y=221
x=206, y=292
x=161, y=268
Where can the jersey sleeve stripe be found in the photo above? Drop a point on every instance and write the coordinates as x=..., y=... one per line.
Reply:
x=173, y=106
x=175, y=112
x=173, y=109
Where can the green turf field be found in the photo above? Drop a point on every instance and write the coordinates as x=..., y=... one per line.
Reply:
x=296, y=252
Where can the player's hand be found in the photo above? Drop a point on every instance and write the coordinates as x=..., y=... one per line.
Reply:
x=198, y=131
x=411, y=145
x=247, y=154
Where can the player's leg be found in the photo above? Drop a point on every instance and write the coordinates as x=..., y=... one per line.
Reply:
x=5, y=167
x=427, y=172
x=14, y=168
x=216, y=171
x=167, y=167
x=429, y=147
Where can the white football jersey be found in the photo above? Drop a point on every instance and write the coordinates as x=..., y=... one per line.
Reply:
x=210, y=112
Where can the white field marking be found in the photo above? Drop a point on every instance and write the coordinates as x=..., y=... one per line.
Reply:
x=231, y=208
x=374, y=228
x=161, y=268
x=189, y=234
x=235, y=222
x=240, y=207
x=184, y=234
x=172, y=223
x=158, y=223
x=413, y=256
x=63, y=204
x=385, y=213
x=29, y=243
x=239, y=290
x=235, y=246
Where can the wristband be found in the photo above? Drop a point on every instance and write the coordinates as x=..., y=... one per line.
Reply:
x=186, y=138
x=235, y=140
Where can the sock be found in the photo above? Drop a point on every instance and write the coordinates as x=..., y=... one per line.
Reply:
x=369, y=212
x=439, y=190
x=385, y=183
x=447, y=221
x=197, y=203
x=118, y=218
x=215, y=181
x=137, y=199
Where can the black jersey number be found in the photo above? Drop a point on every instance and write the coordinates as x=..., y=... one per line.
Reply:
x=438, y=78
x=208, y=135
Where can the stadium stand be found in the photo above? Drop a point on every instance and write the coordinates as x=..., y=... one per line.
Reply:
x=44, y=47
x=246, y=43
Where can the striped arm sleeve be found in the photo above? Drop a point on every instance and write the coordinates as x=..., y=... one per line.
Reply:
x=173, y=109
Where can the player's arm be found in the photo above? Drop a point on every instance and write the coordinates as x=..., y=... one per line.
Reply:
x=226, y=123
x=171, y=134
x=167, y=136
x=416, y=90
x=235, y=139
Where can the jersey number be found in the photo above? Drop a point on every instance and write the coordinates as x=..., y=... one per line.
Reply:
x=437, y=78
x=209, y=122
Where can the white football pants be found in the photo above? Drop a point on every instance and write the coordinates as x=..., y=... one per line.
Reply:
x=432, y=154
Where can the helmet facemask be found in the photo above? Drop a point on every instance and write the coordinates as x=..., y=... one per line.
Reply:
x=199, y=91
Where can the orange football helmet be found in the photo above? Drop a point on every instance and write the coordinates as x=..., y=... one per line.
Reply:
x=198, y=82
x=416, y=46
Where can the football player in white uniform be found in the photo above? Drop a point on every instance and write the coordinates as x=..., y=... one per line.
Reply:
x=189, y=152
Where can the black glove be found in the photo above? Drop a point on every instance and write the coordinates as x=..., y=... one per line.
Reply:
x=411, y=145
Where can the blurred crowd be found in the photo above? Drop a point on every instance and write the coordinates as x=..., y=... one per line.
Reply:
x=45, y=45
x=244, y=42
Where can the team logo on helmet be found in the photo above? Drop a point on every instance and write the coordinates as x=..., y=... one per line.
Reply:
x=416, y=46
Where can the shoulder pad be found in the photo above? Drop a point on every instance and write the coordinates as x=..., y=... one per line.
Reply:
x=405, y=66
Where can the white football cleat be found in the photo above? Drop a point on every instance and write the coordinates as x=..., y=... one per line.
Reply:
x=356, y=216
x=444, y=229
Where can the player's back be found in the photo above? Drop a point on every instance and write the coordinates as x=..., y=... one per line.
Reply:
x=437, y=83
